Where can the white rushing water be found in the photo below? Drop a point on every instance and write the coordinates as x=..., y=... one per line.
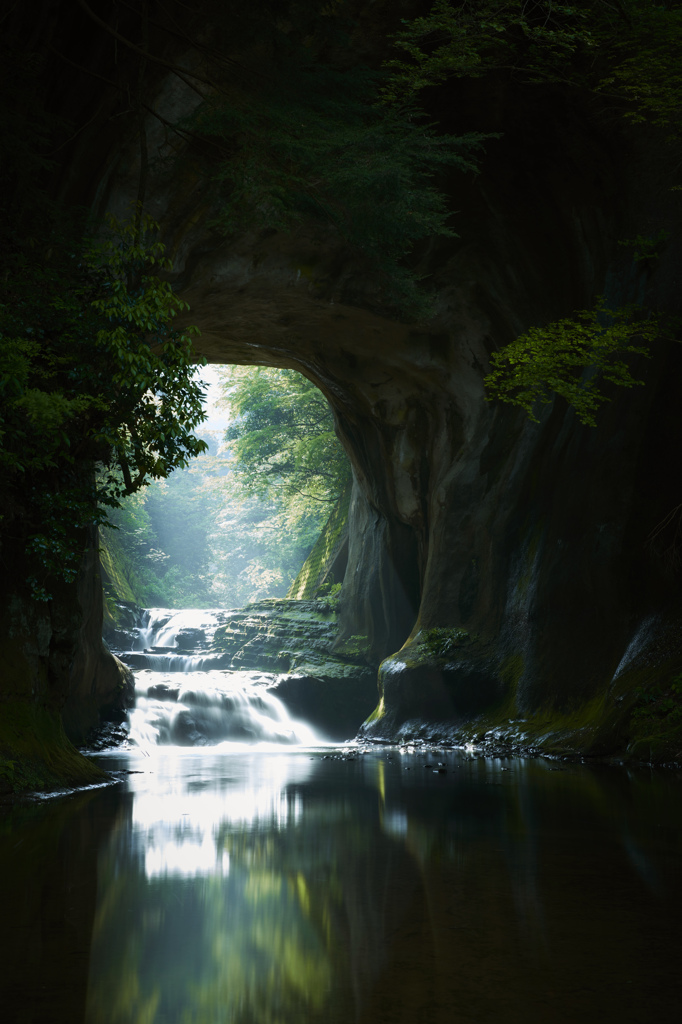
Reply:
x=211, y=707
x=182, y=699
x=163, y=626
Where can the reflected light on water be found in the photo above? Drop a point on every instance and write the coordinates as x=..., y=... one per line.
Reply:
x=179, y=822
x=307, y=887
x=186, y=859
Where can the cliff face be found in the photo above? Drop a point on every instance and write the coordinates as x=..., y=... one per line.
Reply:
x=58, y=679
x=502, y=570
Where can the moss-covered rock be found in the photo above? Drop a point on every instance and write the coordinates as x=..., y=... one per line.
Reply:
x=636, y=717
x=333, y=689
x=35, y=754
x=432, y=678
x=120, y=582
x=445, y=685
x=57, y=678
x=325, y=565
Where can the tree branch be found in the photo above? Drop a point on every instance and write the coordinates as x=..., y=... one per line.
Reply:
x=179, y=71
x=182, y=132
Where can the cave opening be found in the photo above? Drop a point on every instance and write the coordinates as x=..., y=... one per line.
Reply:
x=271, y=842
x=222, y=582
x=238, y=523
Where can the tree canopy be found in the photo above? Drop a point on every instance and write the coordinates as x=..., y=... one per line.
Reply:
x=98, y=388
x=237, y=524
x=571, y=358
x=626, y=54
x=283, y=440
x=627, y=50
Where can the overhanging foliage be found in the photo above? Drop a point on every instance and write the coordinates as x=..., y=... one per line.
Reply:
x=572, y=358
x=92, y=373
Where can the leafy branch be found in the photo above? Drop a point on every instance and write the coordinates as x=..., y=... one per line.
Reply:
x=92, y=372
x=626, y=49
x=572, y=358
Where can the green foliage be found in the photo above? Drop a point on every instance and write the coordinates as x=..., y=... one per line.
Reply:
x=135, y=565
x=153, y=400
x=316, y=576
x=536, y=40
x=646, y=248
x=628, y=50
x=309, y=141
x=572, y=358
x=91, y=373
x=160, y=548
x=287, y=472
x=284, y=444
x=202, y=538
x=645, y=65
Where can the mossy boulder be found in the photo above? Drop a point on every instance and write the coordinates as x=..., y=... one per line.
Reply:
x=332, y=688
x=446, y=685
x=35, y=754
x=432, y=678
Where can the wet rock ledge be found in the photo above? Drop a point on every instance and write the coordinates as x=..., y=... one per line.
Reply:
x=330, y=684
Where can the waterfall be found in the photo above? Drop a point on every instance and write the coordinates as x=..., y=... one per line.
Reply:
x=185, y=696
x=165, y=640
x=164, y=627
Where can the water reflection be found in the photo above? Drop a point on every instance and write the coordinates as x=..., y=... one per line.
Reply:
x=296, y=887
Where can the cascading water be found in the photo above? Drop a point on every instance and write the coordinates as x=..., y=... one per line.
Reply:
x=173, y=641
x=183, y=699
x=211, y=707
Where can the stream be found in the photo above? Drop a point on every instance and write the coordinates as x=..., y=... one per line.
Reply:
x=244, y=870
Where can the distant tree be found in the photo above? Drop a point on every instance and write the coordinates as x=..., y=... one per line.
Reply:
x=283, y=441
x=204, y=538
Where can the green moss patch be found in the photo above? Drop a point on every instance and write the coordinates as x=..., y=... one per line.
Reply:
x=282, y=635
x=354, y=648
x=435, y=647
x=442, y=642
x=35, y=754
x=656, y=721
x=314, y=575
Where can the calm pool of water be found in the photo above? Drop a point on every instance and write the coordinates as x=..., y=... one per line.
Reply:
x=293, y=886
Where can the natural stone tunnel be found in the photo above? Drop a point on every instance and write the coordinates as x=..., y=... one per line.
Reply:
x=465, y=517
x=523, y=546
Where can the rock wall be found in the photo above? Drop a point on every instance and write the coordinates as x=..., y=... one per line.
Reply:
x=325, y=566
x=501, y=570
x=100, y=686
x=532, y=538
x=58, y=679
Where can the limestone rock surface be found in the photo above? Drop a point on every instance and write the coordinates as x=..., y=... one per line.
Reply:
x=553, y=546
